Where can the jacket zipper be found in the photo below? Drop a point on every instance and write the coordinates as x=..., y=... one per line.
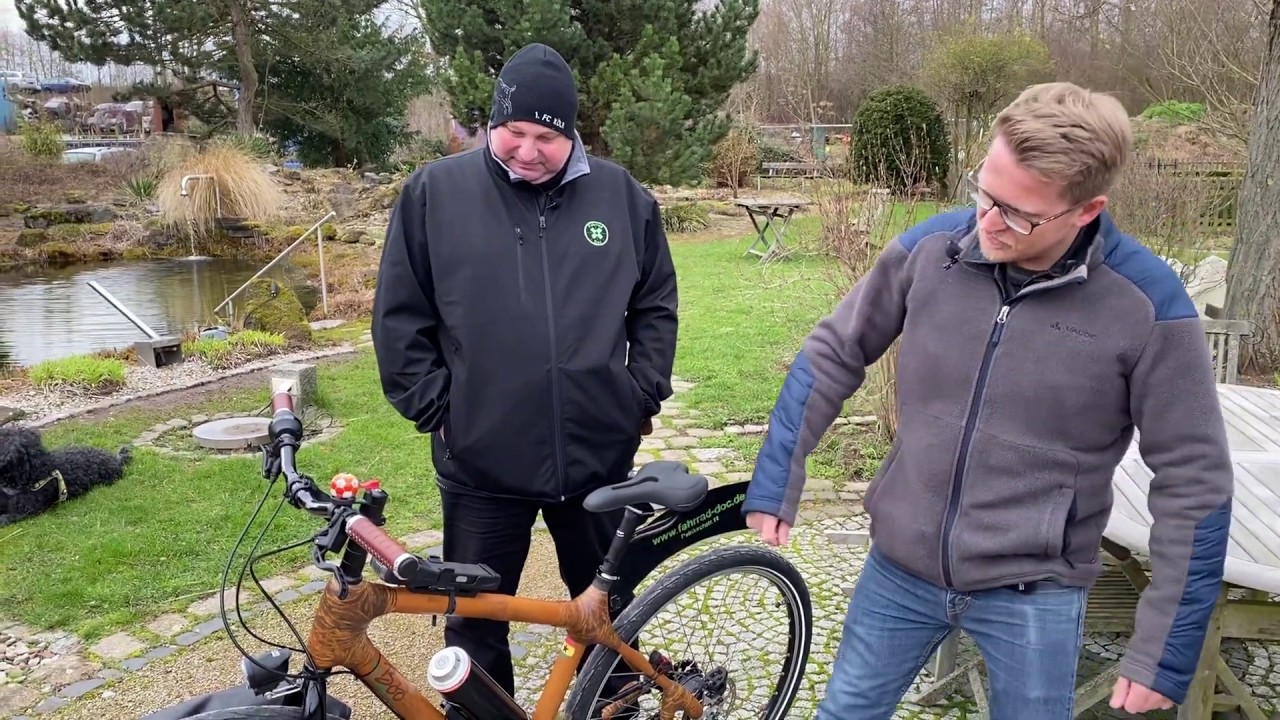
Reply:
x=520, y=260
x=555, y=364
x=966, y=439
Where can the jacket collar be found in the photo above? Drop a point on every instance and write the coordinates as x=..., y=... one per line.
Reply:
x=575, y=167
x=1086, y=254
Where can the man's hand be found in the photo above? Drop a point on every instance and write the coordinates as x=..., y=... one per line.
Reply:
x=1135, y=698
x=772, y=530
x=646, y=428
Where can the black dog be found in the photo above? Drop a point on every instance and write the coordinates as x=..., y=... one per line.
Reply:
x=33, y=479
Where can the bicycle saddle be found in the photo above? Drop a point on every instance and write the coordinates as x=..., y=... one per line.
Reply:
x=661, y=482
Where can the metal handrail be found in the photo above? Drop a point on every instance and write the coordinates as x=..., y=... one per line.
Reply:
x=314, y=228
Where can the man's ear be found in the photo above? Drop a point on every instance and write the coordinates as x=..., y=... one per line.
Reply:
x=1091, y=210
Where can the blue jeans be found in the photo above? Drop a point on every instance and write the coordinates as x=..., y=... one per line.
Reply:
x=1030, y=641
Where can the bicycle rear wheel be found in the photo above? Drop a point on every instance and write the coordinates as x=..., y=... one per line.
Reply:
x=724, y=692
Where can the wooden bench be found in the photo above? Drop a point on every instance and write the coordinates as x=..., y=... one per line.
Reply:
x=790, y=169
x=1224, y=342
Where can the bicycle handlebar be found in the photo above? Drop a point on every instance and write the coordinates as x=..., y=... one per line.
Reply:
x=301, y=492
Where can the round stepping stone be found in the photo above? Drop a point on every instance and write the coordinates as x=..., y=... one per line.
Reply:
x=234, y=433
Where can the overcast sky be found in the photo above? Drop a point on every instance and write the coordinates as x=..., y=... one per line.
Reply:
x=8, y=16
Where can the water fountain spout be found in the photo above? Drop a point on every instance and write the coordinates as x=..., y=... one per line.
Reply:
x=217, y=202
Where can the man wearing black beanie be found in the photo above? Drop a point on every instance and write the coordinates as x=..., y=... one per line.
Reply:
x=525, y=317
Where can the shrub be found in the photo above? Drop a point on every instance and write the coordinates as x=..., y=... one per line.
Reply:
x=246, y=190
x=684, y=217
x=1174, y=112
x=774, y=153
x=141, y=188
x=82, y=373
x=41, y=140
x=734, y=158
x=900, y=140
x=237, y=349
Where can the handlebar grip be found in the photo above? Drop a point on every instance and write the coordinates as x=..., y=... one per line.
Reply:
x=379, y=544
x=281, y=401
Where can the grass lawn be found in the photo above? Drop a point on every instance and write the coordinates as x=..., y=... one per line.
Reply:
x=741, y=322
x=159, y=539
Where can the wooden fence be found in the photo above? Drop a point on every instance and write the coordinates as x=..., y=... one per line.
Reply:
x=1223, y=177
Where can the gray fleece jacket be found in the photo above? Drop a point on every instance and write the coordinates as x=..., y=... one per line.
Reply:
x=1014, y=412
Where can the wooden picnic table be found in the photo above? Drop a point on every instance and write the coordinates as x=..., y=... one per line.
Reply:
x=768, y=210
x=1252, y=417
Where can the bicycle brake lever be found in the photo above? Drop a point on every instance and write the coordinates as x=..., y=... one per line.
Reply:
x=317, y=557
x=270, y=468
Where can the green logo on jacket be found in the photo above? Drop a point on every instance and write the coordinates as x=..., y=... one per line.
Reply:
x=596, y=233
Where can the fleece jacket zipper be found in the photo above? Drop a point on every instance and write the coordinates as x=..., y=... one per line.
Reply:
x=966, y=439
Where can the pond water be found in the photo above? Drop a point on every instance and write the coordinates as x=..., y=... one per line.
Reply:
x=52, y=312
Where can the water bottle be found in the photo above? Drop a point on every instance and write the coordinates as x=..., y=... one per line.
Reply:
x=466, y=685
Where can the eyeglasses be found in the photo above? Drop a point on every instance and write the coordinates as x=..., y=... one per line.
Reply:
x=1012, y=218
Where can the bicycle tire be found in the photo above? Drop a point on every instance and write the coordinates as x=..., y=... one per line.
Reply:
x=682, y=578
x=258, y=712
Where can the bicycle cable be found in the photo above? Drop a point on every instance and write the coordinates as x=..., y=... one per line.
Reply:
x=305, y=675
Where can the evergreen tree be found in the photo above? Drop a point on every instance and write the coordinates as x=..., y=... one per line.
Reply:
x=652, y=74
x=339, y=87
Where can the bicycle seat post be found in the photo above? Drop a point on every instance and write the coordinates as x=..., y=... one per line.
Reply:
x=607, y=573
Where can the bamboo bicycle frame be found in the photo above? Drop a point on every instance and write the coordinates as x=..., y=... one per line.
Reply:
x=339, y=638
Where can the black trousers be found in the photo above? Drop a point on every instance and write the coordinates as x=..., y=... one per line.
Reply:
x=497, y=532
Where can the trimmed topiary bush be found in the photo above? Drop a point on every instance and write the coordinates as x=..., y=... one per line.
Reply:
x=900, y=140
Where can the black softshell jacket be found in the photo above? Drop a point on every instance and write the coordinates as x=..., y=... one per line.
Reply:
x=503, y=316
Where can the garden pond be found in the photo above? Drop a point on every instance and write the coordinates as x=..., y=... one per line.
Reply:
x=50, y=312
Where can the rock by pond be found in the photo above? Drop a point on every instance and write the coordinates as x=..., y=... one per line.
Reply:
x=273, y=307
x=43, y=217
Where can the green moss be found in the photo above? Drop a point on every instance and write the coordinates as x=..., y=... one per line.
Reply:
x=31, y=238
x=49, y=216
x=74, y=197
x=74, y=232
x=81, y=214
x=60, y=252
x=274, y=308
x=136, y=253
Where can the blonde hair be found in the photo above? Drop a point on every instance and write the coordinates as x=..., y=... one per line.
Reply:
x=1068, y=136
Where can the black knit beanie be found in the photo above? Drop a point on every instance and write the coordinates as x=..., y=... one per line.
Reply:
x=536, y=85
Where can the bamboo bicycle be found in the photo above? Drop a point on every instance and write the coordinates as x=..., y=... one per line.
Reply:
x=687, y=687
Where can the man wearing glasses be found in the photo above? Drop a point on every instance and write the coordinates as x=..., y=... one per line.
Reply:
x=1035, y=337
